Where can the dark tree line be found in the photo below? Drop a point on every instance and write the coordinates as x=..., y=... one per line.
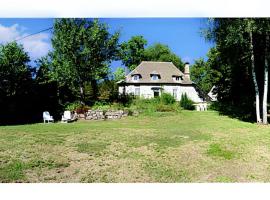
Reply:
x=237, y=66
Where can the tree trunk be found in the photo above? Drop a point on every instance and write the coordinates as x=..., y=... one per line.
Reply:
x=82, y=95
x=265, y=90
x=257, y=93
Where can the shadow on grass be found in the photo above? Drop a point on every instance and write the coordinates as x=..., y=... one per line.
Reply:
x=243, y=112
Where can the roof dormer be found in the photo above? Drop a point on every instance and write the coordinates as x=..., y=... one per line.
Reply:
x=136, y=77
x=177, y=78
x=155, y=76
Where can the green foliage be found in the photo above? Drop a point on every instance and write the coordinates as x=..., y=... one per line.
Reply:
x=132, y=51
x=73, y=106
x=150, y=106
x=82, y=52
x=108, y=91
x=161, y=52
x=15, y=73
x=231, y=60
x=119, y=74
x=167, y=98
x=99, y=105
x=186, y=103
x=43, y=74
x=204, y=73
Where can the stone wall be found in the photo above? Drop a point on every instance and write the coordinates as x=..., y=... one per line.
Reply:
x=101, y=115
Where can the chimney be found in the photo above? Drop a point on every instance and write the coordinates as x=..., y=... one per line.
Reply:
x=186, y=72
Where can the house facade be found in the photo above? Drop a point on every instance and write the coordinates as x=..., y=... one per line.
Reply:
x=149, y=79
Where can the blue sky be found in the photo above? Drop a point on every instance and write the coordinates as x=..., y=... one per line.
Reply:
x=182, y=35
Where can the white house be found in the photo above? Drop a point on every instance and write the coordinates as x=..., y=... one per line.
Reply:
x=149, y=79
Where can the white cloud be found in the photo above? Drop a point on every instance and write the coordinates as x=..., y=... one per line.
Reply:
x=36, y=45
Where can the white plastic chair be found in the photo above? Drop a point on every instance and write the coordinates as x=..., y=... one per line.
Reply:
x=68, y=117
x=47, y=117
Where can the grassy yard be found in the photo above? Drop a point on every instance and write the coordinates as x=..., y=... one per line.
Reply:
x=181, y=147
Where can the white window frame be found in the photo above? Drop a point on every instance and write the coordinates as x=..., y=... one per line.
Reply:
x=175, y=93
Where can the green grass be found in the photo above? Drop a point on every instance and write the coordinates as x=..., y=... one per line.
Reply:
x=185, y=146
x=216, y=150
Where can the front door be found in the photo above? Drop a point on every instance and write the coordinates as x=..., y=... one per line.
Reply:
x=156, y=93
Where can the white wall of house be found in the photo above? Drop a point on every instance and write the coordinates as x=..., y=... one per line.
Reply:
x=146, y=91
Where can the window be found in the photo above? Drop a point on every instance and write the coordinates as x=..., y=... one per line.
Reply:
x=176, y=78
x=175, y=93
x=136, y=77
x=154, y=77
x=137, y=91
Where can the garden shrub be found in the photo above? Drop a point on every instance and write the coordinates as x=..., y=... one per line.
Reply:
x=167, y=98
x=82, y=109
x=72, y=106
x=186, y=103
x=165, y=108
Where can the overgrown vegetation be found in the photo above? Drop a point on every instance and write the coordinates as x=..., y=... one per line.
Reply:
x=186, y=103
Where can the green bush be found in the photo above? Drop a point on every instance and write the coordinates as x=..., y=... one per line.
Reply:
x=72, y=106
x=186, y=103
x=149, y=106
x=167, y=98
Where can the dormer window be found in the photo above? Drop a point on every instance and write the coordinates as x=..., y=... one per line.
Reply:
x=154, y=77
x=136, y=77
x=177, y=78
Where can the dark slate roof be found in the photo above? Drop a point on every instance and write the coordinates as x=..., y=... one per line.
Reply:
x=166, y=71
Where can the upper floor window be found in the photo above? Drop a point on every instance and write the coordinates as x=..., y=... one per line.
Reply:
x=154, y=77
x=136, y=77
x=177, y=78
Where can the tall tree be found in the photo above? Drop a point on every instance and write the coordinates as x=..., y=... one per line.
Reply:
x=250, y=28
x=15, y=73
x=132, y=52
x=16, y=84
x=161, y=52
x=240, y=43
x=83, y=49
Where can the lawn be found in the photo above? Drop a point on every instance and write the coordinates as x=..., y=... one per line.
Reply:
x=188, y=146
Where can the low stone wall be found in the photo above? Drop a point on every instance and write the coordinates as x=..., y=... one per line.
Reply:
x=101, y=115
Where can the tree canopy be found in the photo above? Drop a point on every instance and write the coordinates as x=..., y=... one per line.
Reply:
x=15, y=73
x=240, y=45
x=82, y=51
x=132, y=51
x=161, y=52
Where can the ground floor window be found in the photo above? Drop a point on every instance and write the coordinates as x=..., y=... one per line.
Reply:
x=137, y=91
x=175, y=93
